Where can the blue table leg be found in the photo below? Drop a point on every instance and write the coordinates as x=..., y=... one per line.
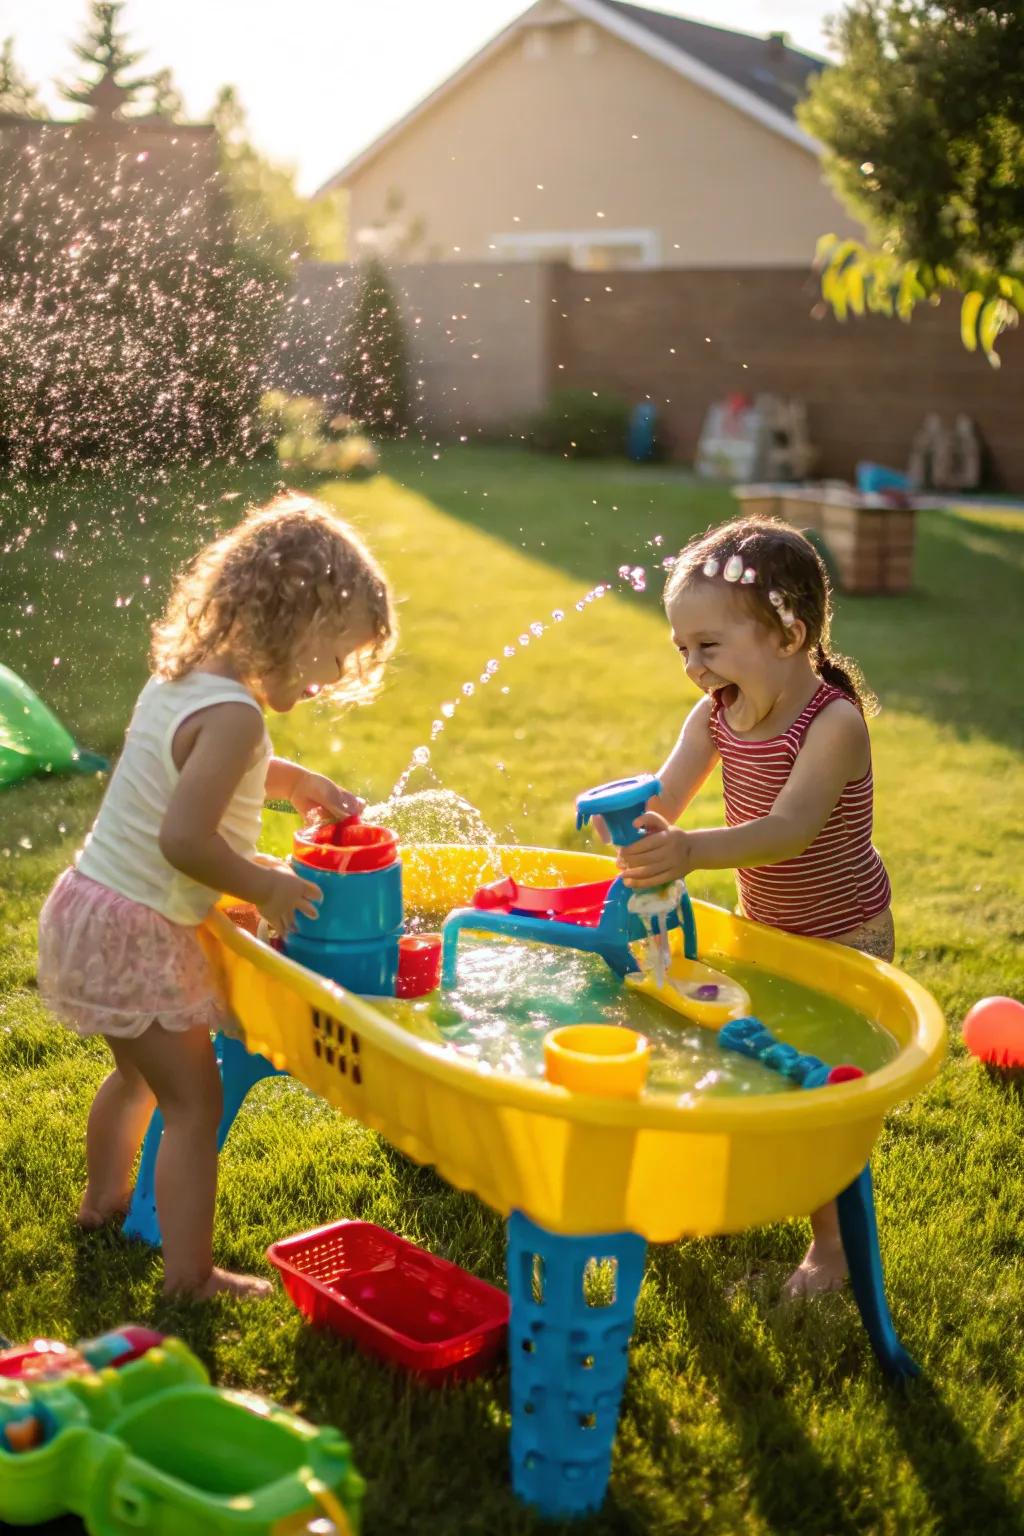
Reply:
x=568, y=1360
x=859, y=1231
x=240, y=1070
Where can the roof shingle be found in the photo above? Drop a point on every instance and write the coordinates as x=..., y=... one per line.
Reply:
x=767, y=67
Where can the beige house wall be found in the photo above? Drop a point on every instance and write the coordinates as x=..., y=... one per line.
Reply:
x=568, y=129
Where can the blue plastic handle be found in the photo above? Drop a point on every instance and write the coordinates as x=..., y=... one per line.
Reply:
x=620, y=803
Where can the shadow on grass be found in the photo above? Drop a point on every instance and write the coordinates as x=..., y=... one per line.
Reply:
x=791, y=1484
x=966, y=1494
x=795, y=1488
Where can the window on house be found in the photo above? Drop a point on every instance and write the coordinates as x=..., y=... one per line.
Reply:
x=596, y=250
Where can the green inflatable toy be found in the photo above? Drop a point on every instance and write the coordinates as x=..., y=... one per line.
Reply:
x=32, y=740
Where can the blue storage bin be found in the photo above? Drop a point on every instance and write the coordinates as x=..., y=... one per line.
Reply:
x=355, y=907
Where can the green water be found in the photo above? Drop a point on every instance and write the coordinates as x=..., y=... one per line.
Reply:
x=510, y=994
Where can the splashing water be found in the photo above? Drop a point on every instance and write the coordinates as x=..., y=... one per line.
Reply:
x=432, y=816
x=633, y=576
x=535, y=631
x=654, y=907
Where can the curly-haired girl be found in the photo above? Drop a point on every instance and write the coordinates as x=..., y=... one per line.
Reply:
x=750, y=609
x=287, y=605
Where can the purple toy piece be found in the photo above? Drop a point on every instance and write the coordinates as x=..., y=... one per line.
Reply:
x=706, y=992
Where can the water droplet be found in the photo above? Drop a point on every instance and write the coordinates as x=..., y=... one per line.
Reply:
x=421, y=756
x=448, y=709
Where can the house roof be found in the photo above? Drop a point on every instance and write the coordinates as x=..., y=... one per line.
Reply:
x=762, y=77
x=768, y=67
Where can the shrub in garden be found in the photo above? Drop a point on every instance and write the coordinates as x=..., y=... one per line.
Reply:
x=374, y=365
x=306, y=436
x=580, y=424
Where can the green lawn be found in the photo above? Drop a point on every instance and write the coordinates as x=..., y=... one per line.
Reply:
x=739, y=1415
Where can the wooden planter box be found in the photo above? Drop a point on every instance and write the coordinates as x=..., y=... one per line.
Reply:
x=870, y=541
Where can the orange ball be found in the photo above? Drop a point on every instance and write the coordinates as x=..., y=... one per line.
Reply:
x=994, y=1031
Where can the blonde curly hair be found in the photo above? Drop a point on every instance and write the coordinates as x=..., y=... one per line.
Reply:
x=259, y=589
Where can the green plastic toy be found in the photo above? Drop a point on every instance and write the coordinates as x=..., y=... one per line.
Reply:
x=32, y=739
x=153, y=1448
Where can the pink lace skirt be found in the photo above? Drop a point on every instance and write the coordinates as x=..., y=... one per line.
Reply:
x=110, y=966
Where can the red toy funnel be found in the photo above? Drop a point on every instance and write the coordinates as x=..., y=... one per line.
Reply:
x=346, y=847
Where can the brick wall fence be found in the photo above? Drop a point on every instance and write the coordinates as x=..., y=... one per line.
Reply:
x=490, y=341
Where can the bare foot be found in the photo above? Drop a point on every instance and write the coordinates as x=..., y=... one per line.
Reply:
x=823, y=1269
x=220, y=1282
x=94, y=1213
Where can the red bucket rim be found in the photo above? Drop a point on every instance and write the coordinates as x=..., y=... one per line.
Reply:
x=349, y=845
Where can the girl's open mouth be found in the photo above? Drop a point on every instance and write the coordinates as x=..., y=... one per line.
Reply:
x=726, y=696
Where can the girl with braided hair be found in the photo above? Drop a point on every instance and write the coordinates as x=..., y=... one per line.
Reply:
x=750, y=608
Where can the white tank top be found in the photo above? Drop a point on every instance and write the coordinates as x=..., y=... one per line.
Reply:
x=123, y=850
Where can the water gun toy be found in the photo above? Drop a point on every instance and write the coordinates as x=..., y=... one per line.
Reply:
x=603, y=918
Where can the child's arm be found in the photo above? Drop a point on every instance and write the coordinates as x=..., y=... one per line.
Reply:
x=835, y=752
x=688, y=764
x=310, y=791
x=222, y=742
x=684, y=770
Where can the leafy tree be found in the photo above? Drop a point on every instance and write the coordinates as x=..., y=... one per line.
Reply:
x=17, y=94
x=923, y=128
x=105, y=53
x=273, y=221
x=374, y=366
x=135, y=327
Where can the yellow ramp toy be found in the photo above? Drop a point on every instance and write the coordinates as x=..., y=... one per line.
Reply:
x=695, y=990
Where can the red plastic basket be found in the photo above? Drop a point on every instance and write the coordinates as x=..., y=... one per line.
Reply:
x=395, y=1300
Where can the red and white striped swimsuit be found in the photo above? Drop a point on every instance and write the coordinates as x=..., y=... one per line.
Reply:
x=837, y=883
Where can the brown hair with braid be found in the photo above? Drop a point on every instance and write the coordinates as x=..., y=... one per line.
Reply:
x=783, y=563
x=261, y=588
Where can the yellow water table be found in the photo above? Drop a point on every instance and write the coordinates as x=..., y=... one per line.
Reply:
x=583, y=1175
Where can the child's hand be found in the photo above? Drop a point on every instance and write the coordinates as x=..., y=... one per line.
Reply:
x=288, y=893
x=663, y=854
x=600, y=826
x=314, y=794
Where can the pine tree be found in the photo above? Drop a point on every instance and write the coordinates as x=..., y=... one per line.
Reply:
x=105, y=53
x=166, y=100
x=17, y=94
x=374, y=372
